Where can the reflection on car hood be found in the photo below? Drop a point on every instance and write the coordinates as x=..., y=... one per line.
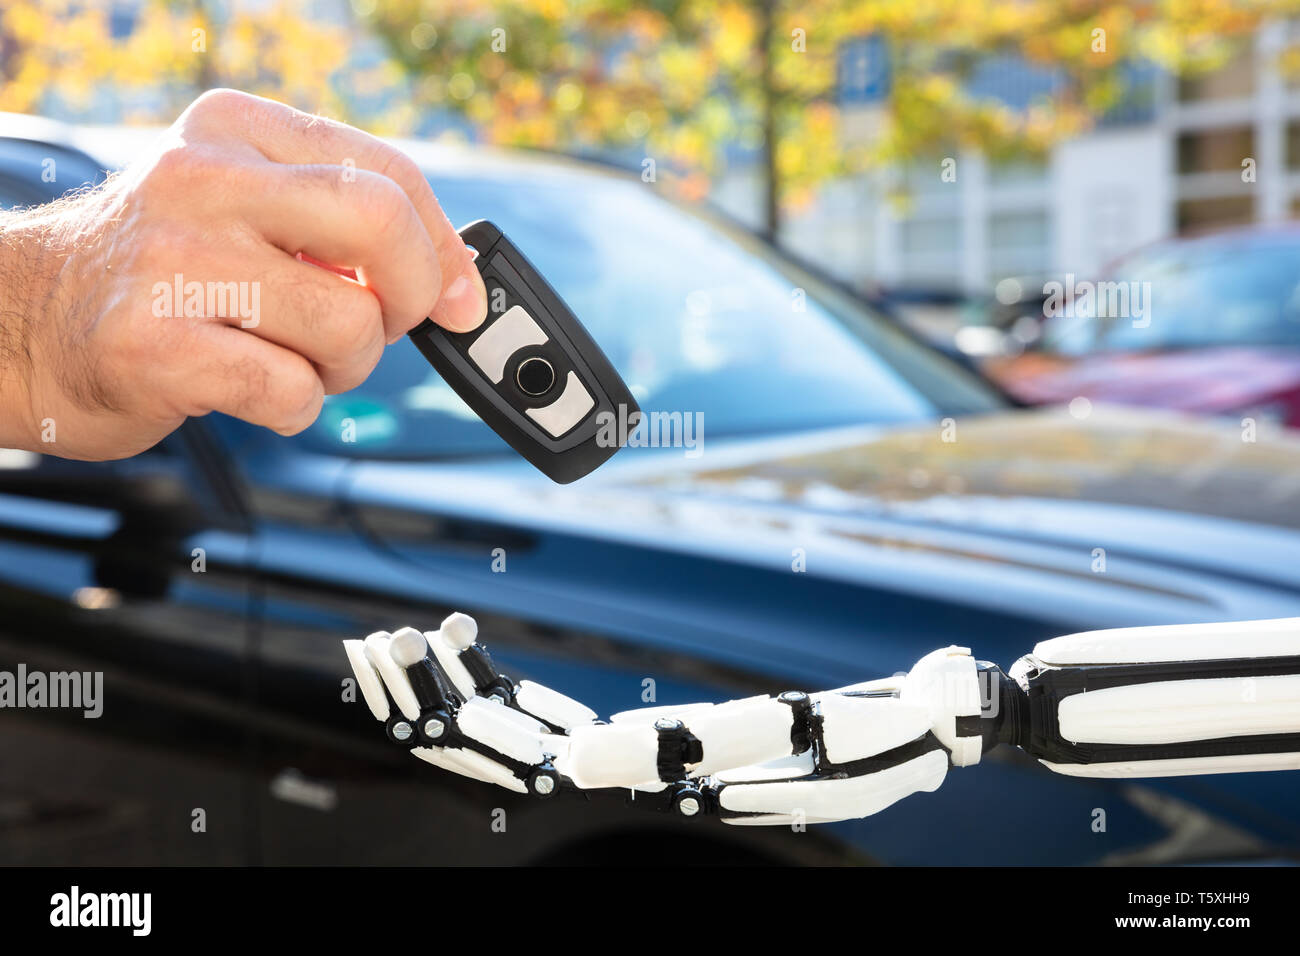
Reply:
x=1129, y=516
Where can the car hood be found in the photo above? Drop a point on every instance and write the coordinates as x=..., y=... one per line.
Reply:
x=1194, y=380
x=1126, y=517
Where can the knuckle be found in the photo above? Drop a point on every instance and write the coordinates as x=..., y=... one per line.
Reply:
x=353, y=333
x=359, y=365
x=223, y=104
x=387, y=206
x=394, y=164
x=184, y=168
x=299, y=394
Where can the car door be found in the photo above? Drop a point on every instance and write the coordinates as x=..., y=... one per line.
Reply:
x=330, y=789
x=126, y=582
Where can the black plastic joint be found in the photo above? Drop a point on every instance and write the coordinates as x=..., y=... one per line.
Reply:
x=484, y=673
x=677, y=747
x=802, y=720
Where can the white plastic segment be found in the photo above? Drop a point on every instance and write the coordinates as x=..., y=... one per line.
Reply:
x=1232, y=763
x=786, y=768
x=372, y=689
x=1279, y=637
x=467, y=763
x=502, y=338
x=945, y=683
x=857, y=727
x=826, y=801
x=449, y=658
x=741, y=732
x=459, y=630
x=648, y=715
x=882, y=685
x=408, y=646
x=552, y=706
x=612, y=755
x=1183, y=710
x=399, y=685
x=566, y=411
x=506, y=731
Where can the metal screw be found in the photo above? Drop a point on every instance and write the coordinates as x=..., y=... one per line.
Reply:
x=497, y=696
x=792, y=697
x=688, y=807
x=402, y=730
x=668, y=723
x=544, y=784
x=434, y=728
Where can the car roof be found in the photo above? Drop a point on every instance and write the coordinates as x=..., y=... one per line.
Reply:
x=116, y=145
x=1234, y=236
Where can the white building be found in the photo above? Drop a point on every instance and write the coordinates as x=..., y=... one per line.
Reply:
x=1190, y=155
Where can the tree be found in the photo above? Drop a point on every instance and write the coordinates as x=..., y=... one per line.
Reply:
x=66, y=56
x=690, y=80
x=691, y=84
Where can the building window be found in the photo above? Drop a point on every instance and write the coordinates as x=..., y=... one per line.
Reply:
x=1236, y=79
x=1216, y=150
x=1017, y=173
x=1293, y=144
x=1018, y=243
x=931, y=250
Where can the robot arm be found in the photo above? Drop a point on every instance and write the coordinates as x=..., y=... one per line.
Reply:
x=1162, y=701
x=1129, y=702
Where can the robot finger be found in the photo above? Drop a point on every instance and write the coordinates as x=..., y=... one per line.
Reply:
x=432, y=686
x=557, y=710
x=829, y=799
x=468, y=662
x=476, y=766
x=372, y=688
x=378, y=652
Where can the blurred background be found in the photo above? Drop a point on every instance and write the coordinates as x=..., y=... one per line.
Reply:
x=946, y=159
x=980, y=324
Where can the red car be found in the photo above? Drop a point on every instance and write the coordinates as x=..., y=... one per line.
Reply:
x=1208, y=325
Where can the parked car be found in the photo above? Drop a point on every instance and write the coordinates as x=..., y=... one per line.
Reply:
x=826, y=530
x=1219, y=336
x=39, y=161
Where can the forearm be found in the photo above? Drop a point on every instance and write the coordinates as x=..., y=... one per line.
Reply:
x=1158, y=701
x=22, y=296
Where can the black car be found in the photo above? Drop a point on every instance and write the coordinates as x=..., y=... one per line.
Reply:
x=853, y=501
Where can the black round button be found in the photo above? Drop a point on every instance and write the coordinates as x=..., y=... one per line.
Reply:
x=535, y=376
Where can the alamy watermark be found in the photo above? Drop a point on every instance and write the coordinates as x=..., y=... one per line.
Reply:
x=60, y=690
x=79, y=908
x=194, y=299
x=1107, y=299
x=655, y=429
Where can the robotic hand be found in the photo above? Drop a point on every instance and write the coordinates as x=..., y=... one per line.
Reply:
x=1130, y=702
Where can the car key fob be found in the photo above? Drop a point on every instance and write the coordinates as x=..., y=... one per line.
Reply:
x=530, y=370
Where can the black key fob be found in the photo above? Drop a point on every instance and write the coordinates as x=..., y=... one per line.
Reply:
x=530, y=370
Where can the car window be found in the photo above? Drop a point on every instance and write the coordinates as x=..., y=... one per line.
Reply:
x=32, y=173
x=1201, y=294
x=695, y=320
x=16, y=193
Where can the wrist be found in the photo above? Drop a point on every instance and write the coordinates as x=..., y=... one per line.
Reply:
x=22, y=296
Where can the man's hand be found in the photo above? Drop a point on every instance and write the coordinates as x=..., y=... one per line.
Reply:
x=300, y=247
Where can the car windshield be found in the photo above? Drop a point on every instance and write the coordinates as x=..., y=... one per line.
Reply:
x=697, y=319
x=1197, y=294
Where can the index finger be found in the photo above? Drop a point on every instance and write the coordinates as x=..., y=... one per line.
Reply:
x=286, y=135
